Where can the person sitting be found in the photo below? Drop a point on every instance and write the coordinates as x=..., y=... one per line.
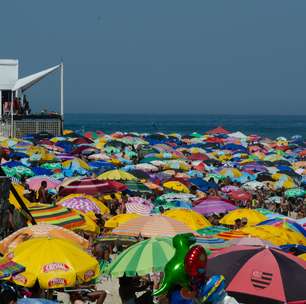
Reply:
x=43, y=195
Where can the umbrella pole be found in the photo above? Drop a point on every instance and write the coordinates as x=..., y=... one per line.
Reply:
x=18, y=198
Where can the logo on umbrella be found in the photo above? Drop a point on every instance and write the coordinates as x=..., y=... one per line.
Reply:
x=55, y=267
x=261, y=279
x=56, y=282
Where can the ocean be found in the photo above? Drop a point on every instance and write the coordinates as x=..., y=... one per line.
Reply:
x=265, y=125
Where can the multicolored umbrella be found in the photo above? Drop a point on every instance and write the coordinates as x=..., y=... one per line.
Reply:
x=176, y=186
x=260, y=274
x=116, y=220
x=116, y=175
x=8, y=268
x=57, y=215
x=145, y=257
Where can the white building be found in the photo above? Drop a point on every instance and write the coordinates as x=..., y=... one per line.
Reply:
x=16, y=123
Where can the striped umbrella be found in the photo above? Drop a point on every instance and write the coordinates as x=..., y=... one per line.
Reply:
x=147, y=256
x=256, y=274
x=83, y=203
x=9, y=268
x=57, y=215
x=138, y=205
x=136, y=186
x=155, y=225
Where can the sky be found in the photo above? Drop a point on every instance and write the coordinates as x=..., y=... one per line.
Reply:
x=162, y=56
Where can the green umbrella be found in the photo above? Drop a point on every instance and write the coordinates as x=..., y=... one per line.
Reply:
x=51, y=166
x=147, y=256
x=212, y=230
x=296, y=192
x=137, y=187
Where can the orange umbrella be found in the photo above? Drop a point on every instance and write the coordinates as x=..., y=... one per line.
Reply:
x=40, y=230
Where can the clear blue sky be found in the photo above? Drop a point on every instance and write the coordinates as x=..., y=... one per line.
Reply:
x=162, y=56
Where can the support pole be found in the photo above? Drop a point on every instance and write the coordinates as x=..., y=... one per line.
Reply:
x=1, y=105
x=62, y=90
x=12, y=114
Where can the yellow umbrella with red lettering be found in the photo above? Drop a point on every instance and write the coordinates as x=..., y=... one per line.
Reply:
x=53, y=262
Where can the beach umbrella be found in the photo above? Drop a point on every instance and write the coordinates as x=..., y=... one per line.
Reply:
x=240, y=195
x=91, y=186
x=55, y=264
x=285, y=223
x=38, y=231
x=293, y=249
x=253, y=217
x=145, y=257
x=302, y=256
x=146, y=167
x=296, y=192
x=230, y=172
x=249, y=241
x=35, y=301
x=254, y=185
x=75, y=163
x=136, y=186
x=154, y=225
x=284, y=183
x=276, y=235
x=176, y=186
x=191, y=218
x=57, y=215
x=138, y=205
x=118, y=219
x=256, y=274
x=213, y=205
x=116, y=175
x=35, y=182
x=84, y=203
x=212, y=230
x=169, y=197
x=8, y=268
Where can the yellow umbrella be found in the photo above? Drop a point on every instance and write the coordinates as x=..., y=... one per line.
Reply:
x=89, y=225
x=276, y=235
x=116, y=220
x=189, y=217
x=55, y=263
x=116, y=175
x=302, y=256
x=254, y=217
x=77, y=162
x=176, y=186
x=230, y=172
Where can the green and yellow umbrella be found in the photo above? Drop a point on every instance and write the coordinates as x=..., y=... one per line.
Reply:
x=116, y=175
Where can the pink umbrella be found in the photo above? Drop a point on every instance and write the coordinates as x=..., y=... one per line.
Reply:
x=240, y=195
x=227, y=189
x=35, y=182
x=211, y=206
x=139, y=205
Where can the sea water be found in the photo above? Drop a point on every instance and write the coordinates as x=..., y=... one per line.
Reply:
x=265, y=125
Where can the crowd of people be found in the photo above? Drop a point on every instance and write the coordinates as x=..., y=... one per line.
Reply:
x=197, y=177
x=18, y=106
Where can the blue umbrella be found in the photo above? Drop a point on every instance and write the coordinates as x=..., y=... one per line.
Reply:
x=41, y=171
x=35, y=301
x=294, y=248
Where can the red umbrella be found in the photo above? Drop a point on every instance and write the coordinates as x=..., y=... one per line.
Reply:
x=92, y=186
x=256, y=274
x=240, y=195
x=218, y=130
